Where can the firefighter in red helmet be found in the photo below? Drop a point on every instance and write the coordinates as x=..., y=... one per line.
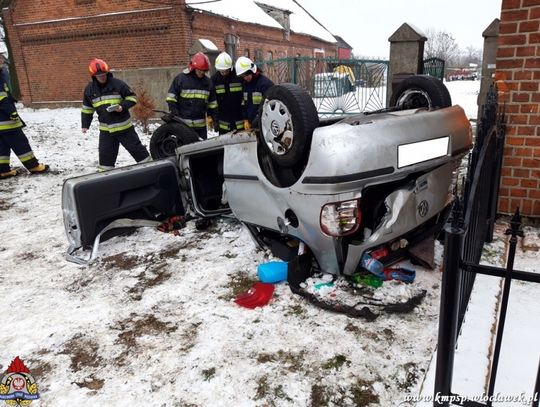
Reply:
x=192, y=97
x=111, y=98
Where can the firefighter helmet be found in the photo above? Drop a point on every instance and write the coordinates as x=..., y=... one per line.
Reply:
x=243, y=65
x=223, y=61
x=98, y=67
x=199, y=61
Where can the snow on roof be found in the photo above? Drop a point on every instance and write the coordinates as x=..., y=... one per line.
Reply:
x=301, y=22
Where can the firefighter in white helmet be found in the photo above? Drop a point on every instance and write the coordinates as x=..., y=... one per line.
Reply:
x=228, y=88
x=255, y=84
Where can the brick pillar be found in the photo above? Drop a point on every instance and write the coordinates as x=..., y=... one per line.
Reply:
x=518, y=78
x=406, y=55
x=491, y=35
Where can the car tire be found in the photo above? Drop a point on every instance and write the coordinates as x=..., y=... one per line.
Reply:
x=288, y=118
x=167, y=137
x=421, y=91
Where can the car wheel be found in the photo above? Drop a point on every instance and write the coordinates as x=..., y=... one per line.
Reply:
x=421, y=91
x=288, y=118
x=168, y=137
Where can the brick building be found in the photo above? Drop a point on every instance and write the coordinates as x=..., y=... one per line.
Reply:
x=51, y=41
x=518, y=79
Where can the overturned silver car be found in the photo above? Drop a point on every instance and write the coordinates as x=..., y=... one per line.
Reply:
x=340, y=188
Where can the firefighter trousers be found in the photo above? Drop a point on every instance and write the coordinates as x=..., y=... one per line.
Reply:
x=109, y=144
x=15, y=140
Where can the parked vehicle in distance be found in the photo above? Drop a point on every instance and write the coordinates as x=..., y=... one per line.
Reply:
x=341, y=187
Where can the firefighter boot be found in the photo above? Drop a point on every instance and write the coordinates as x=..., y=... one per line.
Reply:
x=8, y=174
x=39, y=169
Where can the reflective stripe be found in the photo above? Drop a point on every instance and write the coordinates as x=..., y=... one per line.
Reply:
x=107, y=102
x=87, y=109
x=102, y=168
x=256, y=97
x=3, y=95
x=212, y=105
x=245, y=96
x=194, y=94
x=4, y=159
x=171, y=97
x=26, y=156
x=11, y=124
x=239, y=125
x=131, y=99
x=115, y=127
x=195, y=123
x=235, y=87
x=224, y=125
x=106, y=97
x=220, y=91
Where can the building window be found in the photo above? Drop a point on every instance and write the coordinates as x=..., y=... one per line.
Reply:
x=269, y=55
x=258, y=55
x=230, y=45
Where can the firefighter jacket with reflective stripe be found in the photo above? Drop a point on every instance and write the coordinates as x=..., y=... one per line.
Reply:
x=9, y=119
x=97, y=97
x=229, y=99
x=254, y=94
x=190, y=98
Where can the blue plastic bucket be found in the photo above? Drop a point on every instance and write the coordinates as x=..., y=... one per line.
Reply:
x=272, y=272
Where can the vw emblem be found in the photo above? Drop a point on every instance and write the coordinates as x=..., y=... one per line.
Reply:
x=274, y=127
x=423, y=208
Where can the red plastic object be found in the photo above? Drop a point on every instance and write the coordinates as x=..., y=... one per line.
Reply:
x=377, y=254
x=257, y=296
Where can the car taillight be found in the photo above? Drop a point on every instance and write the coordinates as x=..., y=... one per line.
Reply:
x=341, y=218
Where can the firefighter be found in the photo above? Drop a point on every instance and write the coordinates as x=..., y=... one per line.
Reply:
x=111, y=98
x=192, y=97
x=229, y=95
x=13, y=138
x=255, y=84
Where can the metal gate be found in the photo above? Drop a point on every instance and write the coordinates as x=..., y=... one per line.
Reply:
x=434, y=67
x=338, y=87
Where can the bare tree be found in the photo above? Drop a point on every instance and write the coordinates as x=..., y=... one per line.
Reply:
x=441, y=44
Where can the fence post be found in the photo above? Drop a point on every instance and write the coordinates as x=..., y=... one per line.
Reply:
x=448, y=314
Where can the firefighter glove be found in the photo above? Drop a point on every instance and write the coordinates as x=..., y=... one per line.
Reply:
x=247, y=125
x=210, y=122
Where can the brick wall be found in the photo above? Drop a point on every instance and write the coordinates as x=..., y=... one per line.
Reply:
x=254, y=36
x=518, y=79
x=52, y=41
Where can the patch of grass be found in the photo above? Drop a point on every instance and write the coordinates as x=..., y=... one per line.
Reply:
x=230, y=255
x=293, y=361
x=263, y=388
x=239, y=282
x=363, y=393
x=209, y=373
x=151, y=278
x=336, y=362
x=318, y=396
x=411, y=376
x=122, y=261
x=296, y=310
x=91, y=383
x=83, y=353
x=136, y=326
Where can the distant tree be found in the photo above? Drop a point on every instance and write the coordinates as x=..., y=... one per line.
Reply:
x=441, y=44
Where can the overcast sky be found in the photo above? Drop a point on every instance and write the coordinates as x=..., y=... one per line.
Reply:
x=367, y=24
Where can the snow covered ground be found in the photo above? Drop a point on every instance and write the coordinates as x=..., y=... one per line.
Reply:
x=153, y=321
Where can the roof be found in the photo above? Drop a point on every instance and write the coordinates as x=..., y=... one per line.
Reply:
x=342, y=43
x=301, y=22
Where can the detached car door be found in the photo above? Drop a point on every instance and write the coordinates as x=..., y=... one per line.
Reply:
x=90, y=203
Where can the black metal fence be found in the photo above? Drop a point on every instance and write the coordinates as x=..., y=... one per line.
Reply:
x=337, y=86
x=470, y=226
